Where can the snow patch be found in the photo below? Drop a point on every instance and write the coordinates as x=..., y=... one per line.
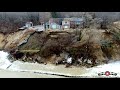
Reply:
x=111, y=67
x=69, y=60
x=4, y=62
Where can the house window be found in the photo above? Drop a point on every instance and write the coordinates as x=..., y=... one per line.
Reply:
x=66, y=27
x=54, y=26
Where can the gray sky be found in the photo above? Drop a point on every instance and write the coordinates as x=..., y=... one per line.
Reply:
x=111, y=15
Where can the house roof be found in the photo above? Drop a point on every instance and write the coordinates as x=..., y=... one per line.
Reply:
x=77, y=19
x=67, y=19
x=55, y=20
x=54, y=23
x=28, y=22
x=73, y=19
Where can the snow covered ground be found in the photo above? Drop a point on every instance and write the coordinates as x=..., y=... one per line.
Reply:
x=49, y=69
x=112, y=67
x=4, y=62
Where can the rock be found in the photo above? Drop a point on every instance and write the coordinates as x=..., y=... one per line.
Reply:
x=52, y=59
x=68, y=65
x=80, y=60
x=85, y=60
x=58, y=60
x=24, y=58
x=69, y=60
x=64, y=55
x=41, y=60
x=117, y=24
x=45, y=63
x=38, y=58
x=89, y=61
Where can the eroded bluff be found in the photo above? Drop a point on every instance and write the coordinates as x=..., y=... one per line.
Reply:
x=88, y=46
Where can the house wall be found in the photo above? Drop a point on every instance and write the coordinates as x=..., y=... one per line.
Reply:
x=65, y=24
x=76, y=24
x=29, y=24
x=55, y=26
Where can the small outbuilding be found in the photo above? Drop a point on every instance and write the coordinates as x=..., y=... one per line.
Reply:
x=29, y=24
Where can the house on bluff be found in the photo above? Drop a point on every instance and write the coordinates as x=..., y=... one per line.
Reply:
x=73, y=23
x=26, y=26
x=76, y=22
x=54, y=24
x=29, y=25
x=57, y=24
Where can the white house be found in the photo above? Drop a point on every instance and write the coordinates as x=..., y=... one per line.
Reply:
x=66, y=23
x=29, y=24
x=54, y=26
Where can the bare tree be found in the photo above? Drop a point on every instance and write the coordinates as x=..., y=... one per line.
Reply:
x=105, y=23
x=33, y=17
x=44, y=16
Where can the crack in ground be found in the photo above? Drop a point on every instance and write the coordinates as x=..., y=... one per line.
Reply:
x=54, y=74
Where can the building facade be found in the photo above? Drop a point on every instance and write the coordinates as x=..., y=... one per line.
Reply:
x=76, y=23
x=54, y=24
x=29, y=24
x=66, y=24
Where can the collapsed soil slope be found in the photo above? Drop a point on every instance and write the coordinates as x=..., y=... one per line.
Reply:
x=13, y=40
x=85, y=46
